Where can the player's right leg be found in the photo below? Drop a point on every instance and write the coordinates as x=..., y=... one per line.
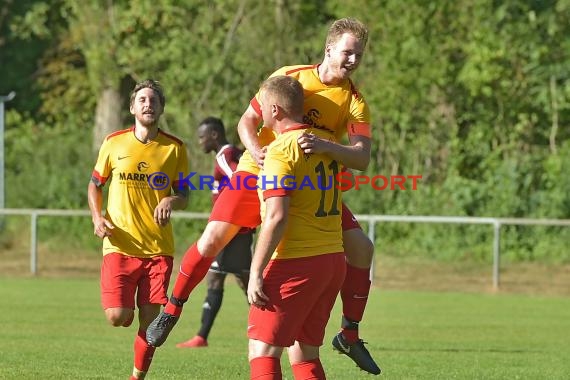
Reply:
x=264, y=360
x=118, y=288
x=120, y=316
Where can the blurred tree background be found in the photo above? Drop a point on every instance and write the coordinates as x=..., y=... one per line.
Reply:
x=472, y=95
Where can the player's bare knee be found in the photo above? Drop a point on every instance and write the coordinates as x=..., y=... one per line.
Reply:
x=210, y=243
x=215, y=237
x=207, y=246
x=117, y=318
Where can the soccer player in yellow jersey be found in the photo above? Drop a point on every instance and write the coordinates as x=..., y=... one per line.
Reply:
x=298, y=266
x=143, y=165
x=332, y=103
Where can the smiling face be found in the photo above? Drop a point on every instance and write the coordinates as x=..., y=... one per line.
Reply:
x=344, y=56
x=147, y=107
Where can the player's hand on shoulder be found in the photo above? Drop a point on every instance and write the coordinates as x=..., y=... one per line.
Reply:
x=311, y=143
x=102, y=227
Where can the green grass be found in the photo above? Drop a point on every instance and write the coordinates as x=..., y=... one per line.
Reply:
x=55, y=329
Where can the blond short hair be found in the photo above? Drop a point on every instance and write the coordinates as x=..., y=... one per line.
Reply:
x=286, y=92
x=347, y=25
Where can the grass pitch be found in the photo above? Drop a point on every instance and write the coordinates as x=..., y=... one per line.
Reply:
x=55, y=329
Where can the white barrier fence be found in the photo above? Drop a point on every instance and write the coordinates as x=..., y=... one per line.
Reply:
x=496, y=223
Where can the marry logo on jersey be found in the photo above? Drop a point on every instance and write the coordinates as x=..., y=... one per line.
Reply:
x=156, y=180
x=138, y=177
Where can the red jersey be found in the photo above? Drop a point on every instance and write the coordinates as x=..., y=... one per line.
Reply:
x=226, y=162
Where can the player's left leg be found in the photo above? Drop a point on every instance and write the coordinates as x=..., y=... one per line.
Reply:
x=359, y=252
x=264, y=361
x=354, y=293
x=305, y=361
x=144, y=352
x=327, y=275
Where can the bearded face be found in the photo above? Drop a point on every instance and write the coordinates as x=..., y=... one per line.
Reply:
x=146, y=107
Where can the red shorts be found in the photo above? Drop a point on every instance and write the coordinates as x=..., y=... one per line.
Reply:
x=239, y=204
x=302, y=293
x=124, y=276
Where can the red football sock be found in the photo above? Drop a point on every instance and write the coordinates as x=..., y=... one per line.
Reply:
x=143, y=352
x=354, y=294
x=265, y=368
x=309, y=370
x=193, y=269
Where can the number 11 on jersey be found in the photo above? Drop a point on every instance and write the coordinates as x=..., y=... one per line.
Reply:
x=322, y=178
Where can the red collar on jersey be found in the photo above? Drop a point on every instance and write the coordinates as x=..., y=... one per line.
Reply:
x=295, y=127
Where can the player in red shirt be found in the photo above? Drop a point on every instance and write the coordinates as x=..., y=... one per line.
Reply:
x=235, y=258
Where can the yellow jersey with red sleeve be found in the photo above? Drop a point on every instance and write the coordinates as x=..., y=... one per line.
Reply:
x=141, y=176
x=314, y=222
x=338, y=108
